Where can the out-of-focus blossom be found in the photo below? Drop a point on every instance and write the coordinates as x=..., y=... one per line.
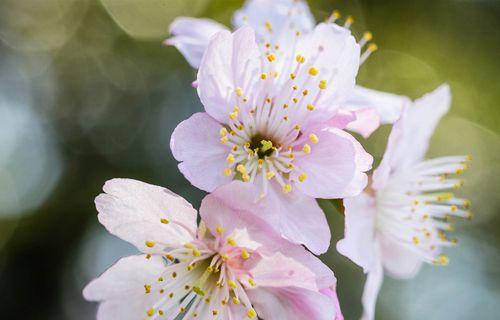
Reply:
x=271, y=120
x=400, y=222
x=276, y=24
x=229, y=267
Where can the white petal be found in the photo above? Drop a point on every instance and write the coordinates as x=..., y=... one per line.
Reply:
x=371, y=290
x=281, y=15
x=231, y=61
x=133, y=210
x=191, y=37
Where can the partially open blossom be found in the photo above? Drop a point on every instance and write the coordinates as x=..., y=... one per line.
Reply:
x=400, y=222
x=276, y=24
x=271, y=121
x=229, y=267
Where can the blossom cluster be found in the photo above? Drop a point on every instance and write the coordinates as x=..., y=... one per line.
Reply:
x=280, y=105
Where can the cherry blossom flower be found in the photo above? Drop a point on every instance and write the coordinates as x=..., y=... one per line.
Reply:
x=270, y=121
x=400, y=222
x=228, y=267
x=276, y=23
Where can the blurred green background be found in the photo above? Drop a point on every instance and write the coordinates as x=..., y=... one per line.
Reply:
x=87, y=93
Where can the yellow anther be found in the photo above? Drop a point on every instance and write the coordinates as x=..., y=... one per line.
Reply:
x=147, y=288
x=313, y=138
x=228, y=172
x=252, y=282
x=285, y=118
x=238, y=91
x=233, y=115
x=220, y=230
x=300, y=59
x=286, y=188
x=271, y=57
x=215, y=312
x=372, y=47
x=224, y=257
x=310, y=107
x=349, y=20
x=230, y=158
x=150, y=312
x=293, y=76
x=313, y=71
x=297, y=127
x=245, y=177
x=224, y=140
x=266, y=145
x=160, y=312
x=150, y=244
x=415, y=240
x=223, y=132
x=367, y=36
x=306, y=149
x=268, y=26
x=251, y=313
x=270, y=175
x=263, y=76
x=443, y=260
x=295, y=100
x=336, y=14
x=302, y=177
x=322, y=84
x=453, y=208
x=230, y=241
x=196, y=252
x=244, y=254
x=189, y=246
x=232, y=284
x=291, y=156
x=148, y=256
x=164, y=221
x=236, y=300
x=241, y=169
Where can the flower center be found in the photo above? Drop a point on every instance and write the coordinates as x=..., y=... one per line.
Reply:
x=262, y=147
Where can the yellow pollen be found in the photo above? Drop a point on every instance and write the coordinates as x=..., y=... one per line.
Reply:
x=285, y=118
x=150, y=244
x=292, y=76
x=251, y=313
x=271, y=57
x=270, y=175
x=223, y=132
x=286, y=188
x=160, y=312
x=232, y=284
x=297, y=127
x=302, y=177
x=252, y=282
x=372, y=47
x=239, y=91
x=322, y=84
x=147, y=288
x=310, y=107
x=233, y=115
x=263, y=76
x=196, y=252
x=305, y=92
x=151, y=312
x=244, y=254
x=241, y=169
x=268, y=45
x=231, y=242
x=349, y=20
x=148, y=256
x=300, y=59
x=236, y=300
x=416, y=240
x=306, y=149
x=220, y=230
x=313, y=71
x=215, y=312
x=295, y=100
x=368, y=36
x=188, y=246
x=230, y=158
x=268, y=26
x=164, y=221
x=336, y=14
x=224, y=257
x=285, y=106
x=224, y=140
x=313, y=138
x=227, y=172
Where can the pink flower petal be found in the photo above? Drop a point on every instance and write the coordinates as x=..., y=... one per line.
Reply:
x=231, y=61
x=134, y=211
x=300, y=219
x=399, y=260
x=191, y=37
x=371, y=289
x=291, y=304
x=332, y=293
x=367, y=121
x=359, y=235
x=195, y=142
x=335, y=167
